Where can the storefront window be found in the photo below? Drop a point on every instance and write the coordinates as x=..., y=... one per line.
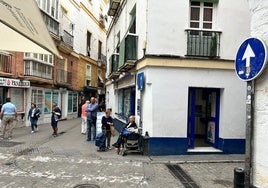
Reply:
x=126, y=102
x=72, y=102
x=17, y=97
x=37, y=98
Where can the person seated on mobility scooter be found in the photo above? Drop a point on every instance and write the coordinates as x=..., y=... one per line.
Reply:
x=129, y=128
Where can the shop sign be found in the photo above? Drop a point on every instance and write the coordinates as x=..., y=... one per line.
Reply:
x=7, y=82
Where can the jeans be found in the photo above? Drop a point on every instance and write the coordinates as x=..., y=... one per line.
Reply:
x=33, y=123
x=91, y=124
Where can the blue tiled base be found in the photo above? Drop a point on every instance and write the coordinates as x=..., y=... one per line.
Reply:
x=178, y=146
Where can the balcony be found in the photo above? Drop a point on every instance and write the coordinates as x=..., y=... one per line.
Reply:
x=64, y=77
x=66, y=31
x=37, y=69
x=114, y=61
x=101, y=60
x=5, y=62
x=128, y=52
x=203, y=43
x=114, y=5
x=67, y=38
x=52, y=24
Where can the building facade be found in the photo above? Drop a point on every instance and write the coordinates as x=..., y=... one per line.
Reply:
x=259, y=161
x=172, y=66
x=78, y=74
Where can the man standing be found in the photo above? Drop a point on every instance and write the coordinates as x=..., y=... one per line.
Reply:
x=92, y=110
x=84, y=117
x=9, y=114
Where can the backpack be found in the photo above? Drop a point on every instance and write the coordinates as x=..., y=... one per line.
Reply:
x=57, y=109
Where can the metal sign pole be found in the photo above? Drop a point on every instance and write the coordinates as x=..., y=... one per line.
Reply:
x=249, y=133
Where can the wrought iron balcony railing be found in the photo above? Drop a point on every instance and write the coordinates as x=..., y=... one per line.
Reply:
x=64, y=76
x=202, y=43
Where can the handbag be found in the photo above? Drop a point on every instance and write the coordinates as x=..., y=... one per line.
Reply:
x=112, y=130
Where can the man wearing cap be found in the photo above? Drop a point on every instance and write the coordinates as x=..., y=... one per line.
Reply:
x=9, y=114
x=84, y=118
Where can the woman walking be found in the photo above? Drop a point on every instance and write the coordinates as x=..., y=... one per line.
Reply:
x=33, y=115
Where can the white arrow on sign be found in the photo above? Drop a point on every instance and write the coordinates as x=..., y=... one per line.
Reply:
x=247, y=55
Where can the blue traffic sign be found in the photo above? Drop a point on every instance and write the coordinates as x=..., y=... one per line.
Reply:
x=250, y=59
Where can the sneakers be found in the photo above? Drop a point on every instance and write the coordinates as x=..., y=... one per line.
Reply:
x=32, y=132
x=36, y=129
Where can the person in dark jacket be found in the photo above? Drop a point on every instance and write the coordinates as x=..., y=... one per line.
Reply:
x=55, y=117
x=132, y=126
x=107, y=122
x=33, y=115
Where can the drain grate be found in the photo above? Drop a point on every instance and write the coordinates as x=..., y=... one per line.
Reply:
x=180, y=174
x=86, y=186
x=8, y=144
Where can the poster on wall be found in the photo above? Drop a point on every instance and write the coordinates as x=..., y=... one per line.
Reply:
x=55, y=98
x=98, y=123
x=48, y=105
x=211, y=132
x=17, y=98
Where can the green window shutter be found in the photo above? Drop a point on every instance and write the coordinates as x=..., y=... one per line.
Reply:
x=122, y=53
x=206, y=1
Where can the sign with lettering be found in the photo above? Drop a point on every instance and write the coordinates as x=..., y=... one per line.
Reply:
x=7, y=82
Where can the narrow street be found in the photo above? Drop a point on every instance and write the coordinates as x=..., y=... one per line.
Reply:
x=40, y=160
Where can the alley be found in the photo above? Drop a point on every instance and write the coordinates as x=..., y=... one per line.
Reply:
x=40, y=160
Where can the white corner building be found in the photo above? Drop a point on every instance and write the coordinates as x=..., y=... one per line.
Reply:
x=171, y=64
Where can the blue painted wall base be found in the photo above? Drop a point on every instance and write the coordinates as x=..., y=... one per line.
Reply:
x=232, y=146
x=179, y=146
x=168, y=146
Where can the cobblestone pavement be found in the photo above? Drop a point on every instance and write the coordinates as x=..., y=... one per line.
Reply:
x=39, y=160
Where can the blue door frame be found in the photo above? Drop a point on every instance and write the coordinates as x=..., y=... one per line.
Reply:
x=192, y=117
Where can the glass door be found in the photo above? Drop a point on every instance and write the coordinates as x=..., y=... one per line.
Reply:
x=191, y=117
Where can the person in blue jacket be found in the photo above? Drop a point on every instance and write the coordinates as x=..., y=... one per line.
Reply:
x=33, y=114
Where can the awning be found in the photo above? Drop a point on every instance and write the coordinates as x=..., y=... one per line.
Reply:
x=22, y=28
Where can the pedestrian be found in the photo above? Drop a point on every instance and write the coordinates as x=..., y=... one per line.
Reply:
x=55, y=117
x=9, y=114
x=92, y=110
x=84, y=118
x=1, y=116
x=107, y=122
x=34, y=114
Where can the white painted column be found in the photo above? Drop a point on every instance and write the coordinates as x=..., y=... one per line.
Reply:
x=259, y=28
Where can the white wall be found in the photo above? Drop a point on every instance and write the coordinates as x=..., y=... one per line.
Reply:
x=167, y=23
x=166, y=100
x=83, y=23
x=259, y=28
x=233, y=19
x=166, y=27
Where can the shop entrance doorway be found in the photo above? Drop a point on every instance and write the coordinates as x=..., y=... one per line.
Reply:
x=203, y=117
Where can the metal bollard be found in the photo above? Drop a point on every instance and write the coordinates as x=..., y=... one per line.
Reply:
x=145, y=144
x=239, y=177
